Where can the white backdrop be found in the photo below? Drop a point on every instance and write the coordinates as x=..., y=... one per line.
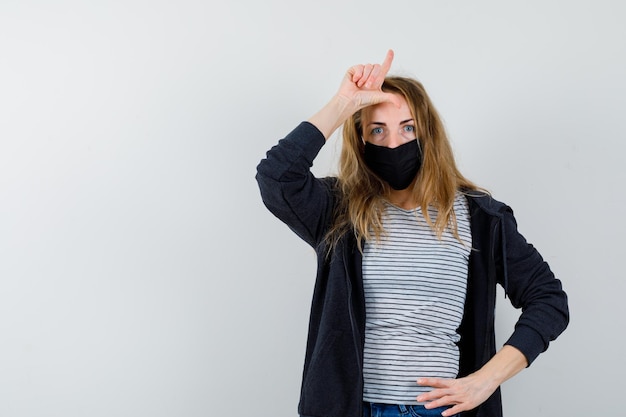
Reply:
x=140, y=274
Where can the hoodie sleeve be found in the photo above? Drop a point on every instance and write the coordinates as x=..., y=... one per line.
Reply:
x=531, y=286
x=288, y=188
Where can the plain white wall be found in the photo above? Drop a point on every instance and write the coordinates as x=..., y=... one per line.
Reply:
x=140, y=273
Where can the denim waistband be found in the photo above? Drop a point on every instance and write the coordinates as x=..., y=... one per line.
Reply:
x=400, y=410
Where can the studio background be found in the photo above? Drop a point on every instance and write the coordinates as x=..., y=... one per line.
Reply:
x=141, y=275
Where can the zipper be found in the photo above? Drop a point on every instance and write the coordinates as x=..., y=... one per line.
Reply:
x=499, y=224
x=505, y=271
x=491, y=286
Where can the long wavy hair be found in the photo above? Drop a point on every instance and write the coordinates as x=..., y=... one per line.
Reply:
x=362, y=193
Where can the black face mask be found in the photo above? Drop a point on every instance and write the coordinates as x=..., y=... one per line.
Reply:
x=397, y=166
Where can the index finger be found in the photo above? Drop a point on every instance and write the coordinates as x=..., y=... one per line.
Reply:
x=386, y=65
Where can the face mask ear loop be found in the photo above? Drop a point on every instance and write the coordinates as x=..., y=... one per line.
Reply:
x=419, y=148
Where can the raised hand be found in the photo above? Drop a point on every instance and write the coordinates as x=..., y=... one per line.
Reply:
x=362, y=84
x=361, y=87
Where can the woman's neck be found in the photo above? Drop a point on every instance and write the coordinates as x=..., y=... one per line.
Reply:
x=403, y=199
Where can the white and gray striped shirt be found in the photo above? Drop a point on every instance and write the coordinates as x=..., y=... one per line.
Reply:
x=415, y=286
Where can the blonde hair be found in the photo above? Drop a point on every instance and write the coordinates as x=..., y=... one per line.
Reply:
x=362, y=193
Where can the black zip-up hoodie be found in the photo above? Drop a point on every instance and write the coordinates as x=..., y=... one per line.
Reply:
x=332, y=384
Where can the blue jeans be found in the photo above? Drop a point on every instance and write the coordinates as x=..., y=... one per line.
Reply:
x=394, y=410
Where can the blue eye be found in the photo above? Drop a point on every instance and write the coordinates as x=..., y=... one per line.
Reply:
x=377, y=131
x=409, y=128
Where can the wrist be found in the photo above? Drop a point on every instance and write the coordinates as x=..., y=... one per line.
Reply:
x=504, y=365
x=344, y=106
x=333, y=114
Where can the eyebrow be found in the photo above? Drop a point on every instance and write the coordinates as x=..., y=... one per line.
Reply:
x=385, y=124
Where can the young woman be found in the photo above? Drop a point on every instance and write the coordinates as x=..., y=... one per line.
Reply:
x=409, y=255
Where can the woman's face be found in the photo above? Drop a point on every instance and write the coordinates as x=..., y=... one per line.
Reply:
x=386, y=125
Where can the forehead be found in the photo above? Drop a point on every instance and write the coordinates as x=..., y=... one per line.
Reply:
x=386, y=113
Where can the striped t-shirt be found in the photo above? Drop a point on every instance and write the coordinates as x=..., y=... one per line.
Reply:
x=415, y=286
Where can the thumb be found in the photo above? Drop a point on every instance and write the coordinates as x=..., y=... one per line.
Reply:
x=382, y=97
x=393, y=99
